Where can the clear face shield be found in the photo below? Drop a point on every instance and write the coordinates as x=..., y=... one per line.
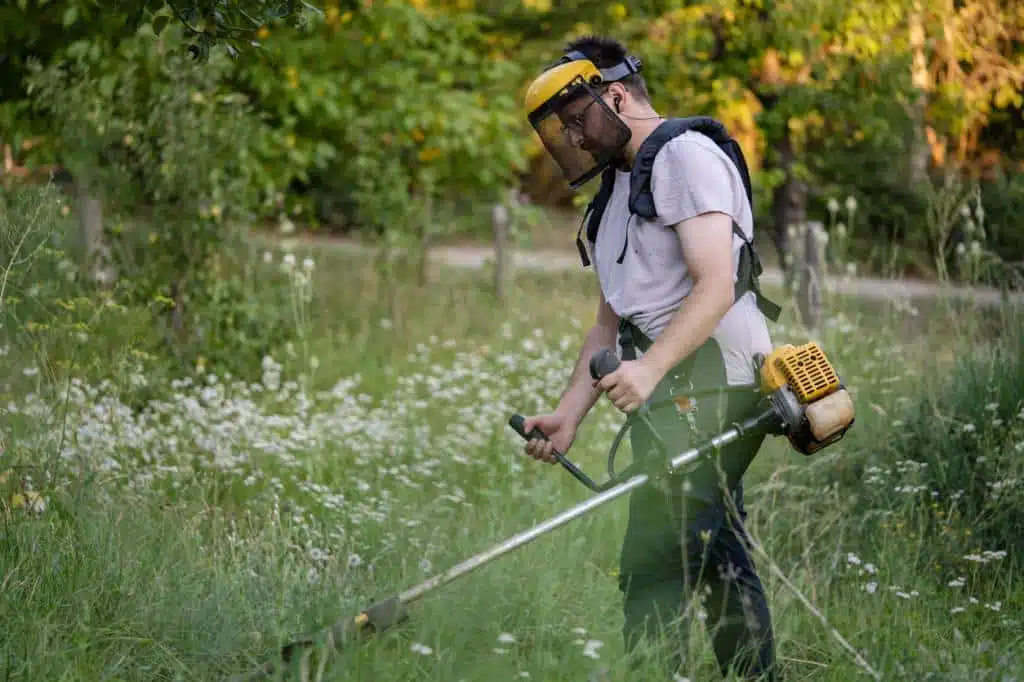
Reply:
x=581, y=132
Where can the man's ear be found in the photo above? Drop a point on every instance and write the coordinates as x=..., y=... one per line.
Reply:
x=618, y=94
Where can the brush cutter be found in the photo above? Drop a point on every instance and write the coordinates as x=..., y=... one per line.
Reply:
x=803, y=399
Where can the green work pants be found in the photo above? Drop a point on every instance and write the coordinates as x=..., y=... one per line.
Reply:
x=682, y=541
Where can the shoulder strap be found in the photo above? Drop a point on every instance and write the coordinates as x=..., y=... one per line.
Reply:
x=595, y=209
x=641, y=200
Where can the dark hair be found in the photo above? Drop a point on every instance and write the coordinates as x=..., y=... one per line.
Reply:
x=606, y=52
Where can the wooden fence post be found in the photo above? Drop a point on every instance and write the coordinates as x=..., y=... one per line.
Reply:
x=500, y=223
x=811, y=273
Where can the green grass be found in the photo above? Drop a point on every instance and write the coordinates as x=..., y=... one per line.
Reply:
x=187, y=540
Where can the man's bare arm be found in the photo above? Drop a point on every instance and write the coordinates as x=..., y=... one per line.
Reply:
x=706, y=242
x=581, y=395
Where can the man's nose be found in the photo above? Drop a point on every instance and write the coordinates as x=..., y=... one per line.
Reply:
x=575, y=136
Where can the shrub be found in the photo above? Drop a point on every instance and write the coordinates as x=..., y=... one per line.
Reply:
x=390, y=108
x=176, y=157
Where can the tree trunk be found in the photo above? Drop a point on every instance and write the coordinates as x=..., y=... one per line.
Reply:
x=178, y=331
x=90, y=223
x=427, y=229
x=789, y=206
x=919, y=151
x=499, y=221
x=811, y=274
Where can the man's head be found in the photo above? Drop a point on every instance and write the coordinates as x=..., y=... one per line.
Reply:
x=589, y=105
x=606, y=53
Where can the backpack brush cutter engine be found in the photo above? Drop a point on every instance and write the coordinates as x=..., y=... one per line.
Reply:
x=803, y=400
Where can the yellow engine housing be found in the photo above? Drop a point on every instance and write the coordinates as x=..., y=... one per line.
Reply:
x=805, y=368
x=815, y=408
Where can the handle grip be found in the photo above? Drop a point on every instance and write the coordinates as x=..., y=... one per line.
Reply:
x=603, y=362
x=518, y=424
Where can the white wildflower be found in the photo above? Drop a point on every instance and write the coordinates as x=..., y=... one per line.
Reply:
x=590, y=648
x=422, y=649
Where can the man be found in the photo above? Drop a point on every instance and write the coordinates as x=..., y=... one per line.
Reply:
x=667, y=284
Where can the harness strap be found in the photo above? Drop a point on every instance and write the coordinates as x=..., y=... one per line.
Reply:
x=748, y=277
x=630, y=337
x=641, y=202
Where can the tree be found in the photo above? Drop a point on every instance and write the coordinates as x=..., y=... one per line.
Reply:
x=176, y=156
x=40, y=32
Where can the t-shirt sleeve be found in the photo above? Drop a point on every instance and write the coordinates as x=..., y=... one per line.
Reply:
x=689, y=179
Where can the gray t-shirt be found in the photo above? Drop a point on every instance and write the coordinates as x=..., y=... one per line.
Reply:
x=690, y=176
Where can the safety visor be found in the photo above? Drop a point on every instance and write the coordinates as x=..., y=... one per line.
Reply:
x=580, y=131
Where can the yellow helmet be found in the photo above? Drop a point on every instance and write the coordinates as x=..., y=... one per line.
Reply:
x=574, y=80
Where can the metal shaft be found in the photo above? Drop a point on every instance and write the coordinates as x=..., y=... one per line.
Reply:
x=520, y=539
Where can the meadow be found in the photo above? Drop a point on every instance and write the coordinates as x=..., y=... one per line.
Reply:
x=162, y=526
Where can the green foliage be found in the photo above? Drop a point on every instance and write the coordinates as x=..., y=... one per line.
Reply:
x=53, y=318
x=39, y=30
x=813, y=71
x=395, y=106
x=231, y=24
x=383, y=112
x=178, y=160
x=1003, y=201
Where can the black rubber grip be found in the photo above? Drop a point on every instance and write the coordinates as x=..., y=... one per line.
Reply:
x=603, y=362
x=518, y=424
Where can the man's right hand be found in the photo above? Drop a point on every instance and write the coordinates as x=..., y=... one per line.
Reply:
x=560, y=430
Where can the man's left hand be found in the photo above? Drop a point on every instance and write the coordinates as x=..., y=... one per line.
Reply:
x=629, y=386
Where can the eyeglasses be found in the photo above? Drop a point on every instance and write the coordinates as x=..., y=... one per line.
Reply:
x=575, y=122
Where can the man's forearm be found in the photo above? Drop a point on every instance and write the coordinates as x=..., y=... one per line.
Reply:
x=581, y=395
x=689, y=328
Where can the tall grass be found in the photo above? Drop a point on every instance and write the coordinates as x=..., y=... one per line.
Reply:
x=187, y=536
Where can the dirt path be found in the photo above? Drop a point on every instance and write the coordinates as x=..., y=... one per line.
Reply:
x=550, y=260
